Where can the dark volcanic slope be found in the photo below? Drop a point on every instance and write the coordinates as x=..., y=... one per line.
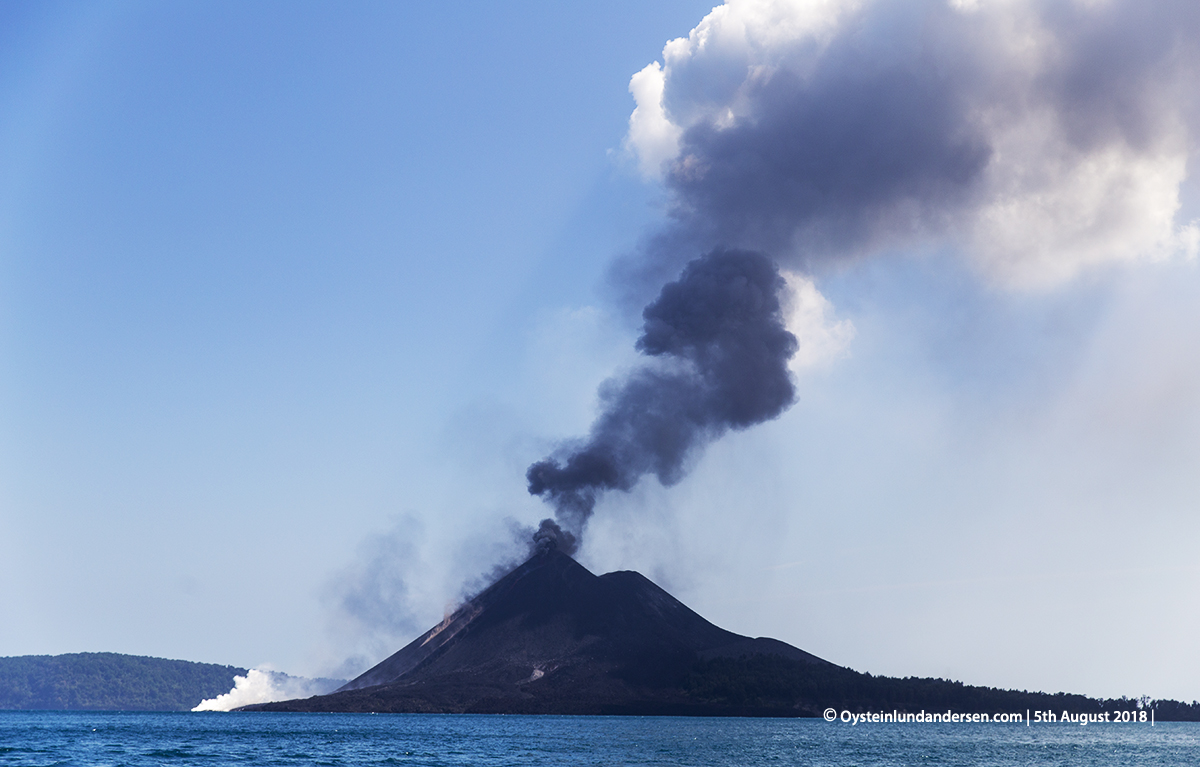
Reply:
x=551, y=637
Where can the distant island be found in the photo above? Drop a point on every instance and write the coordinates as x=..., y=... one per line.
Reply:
x=105, y=681
x=550, y=637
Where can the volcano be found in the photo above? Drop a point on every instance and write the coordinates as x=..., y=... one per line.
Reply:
x=551, y=637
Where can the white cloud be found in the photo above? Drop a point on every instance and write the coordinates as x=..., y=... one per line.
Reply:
x=809, y=315
x=710, y=66
x=652, y=137
x=259, y=686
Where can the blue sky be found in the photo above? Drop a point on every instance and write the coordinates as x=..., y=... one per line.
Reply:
x=257, y=262
x=292, y=294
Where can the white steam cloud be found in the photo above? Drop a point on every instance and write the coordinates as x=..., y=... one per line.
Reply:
x=260, y=686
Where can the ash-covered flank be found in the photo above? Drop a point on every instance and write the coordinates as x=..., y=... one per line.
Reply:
x=552, y=637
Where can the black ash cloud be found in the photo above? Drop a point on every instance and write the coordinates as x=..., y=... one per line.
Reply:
x=1035, y=138
x=719, y=352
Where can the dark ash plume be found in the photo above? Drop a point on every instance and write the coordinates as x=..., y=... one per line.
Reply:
x=721, y=351
x=1036, y=138
x=550, y=536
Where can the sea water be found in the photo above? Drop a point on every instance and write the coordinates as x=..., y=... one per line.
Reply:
x=218, y=739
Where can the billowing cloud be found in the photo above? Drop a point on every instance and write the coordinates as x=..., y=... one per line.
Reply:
x=265, y=686
x=1037, y=138
x=717, y=351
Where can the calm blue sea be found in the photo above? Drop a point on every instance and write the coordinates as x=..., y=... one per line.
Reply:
x=215, y=739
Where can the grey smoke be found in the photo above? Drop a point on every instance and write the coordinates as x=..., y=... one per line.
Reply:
x=834, y=164
x=914, y=124
x=373, y=602
x=395, y=588
x=550, y=535
x=899, y=124
x=717, y=335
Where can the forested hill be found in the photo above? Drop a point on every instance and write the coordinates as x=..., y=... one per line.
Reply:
x=105, y=681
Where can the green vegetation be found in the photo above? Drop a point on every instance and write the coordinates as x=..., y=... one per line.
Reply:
x=772, y=682
x=105, y=681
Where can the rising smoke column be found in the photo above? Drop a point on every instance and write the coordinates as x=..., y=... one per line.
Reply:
x=719, y=352
x=1035, y=139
